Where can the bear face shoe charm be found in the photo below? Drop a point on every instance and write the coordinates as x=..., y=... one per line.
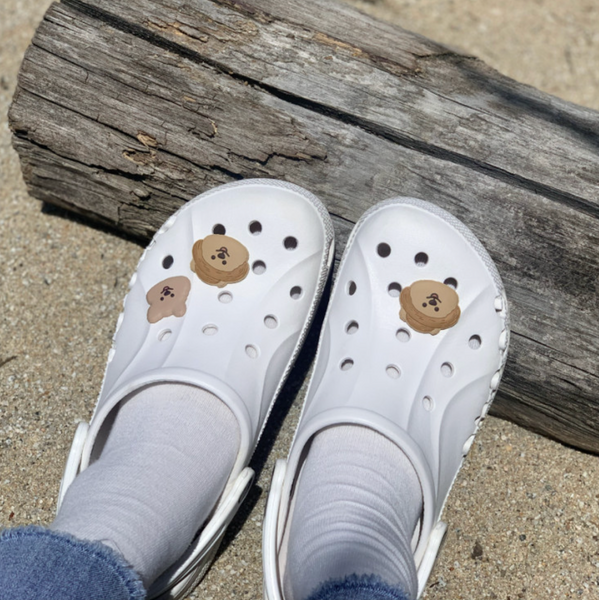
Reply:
x=219, y=260
x=429, y=306
x=168, y=298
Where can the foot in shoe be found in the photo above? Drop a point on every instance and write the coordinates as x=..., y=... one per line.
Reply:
x=357, y=504
x=164, y=465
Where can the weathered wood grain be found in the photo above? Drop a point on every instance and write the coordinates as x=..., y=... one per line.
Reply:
x=126, y=111
x=414, y=92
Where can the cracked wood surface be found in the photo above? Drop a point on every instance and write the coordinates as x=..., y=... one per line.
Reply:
x=125, y=110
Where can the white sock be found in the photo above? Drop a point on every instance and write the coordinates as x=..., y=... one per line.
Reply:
x=357, y=504
x=165, y=463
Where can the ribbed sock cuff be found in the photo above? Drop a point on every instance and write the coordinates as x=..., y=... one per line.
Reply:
x=358, y=587
x=39, y=564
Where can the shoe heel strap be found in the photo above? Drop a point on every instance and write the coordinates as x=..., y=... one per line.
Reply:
x=269, y=533
x=433, y=546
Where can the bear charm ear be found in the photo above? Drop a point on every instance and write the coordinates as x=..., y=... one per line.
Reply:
x=168, y=298
x=429, y=306
x=219, y=260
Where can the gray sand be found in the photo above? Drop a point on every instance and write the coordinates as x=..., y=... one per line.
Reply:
x=523, y=516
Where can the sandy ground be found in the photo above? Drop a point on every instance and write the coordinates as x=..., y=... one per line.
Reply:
x=523, y=516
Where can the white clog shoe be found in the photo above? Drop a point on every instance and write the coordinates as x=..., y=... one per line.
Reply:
x=413, y=346
x=222, y=299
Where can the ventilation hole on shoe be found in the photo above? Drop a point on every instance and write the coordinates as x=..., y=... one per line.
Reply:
x=451, y=282
x=296, y=292
x=164, y=334
x=394, y=289
x=393, y=371
x=421, y=259
x=251, y=351
x=255, y=227
x=271, y=321
x=383, y=250
x=447, y=369
x=403, y=335
x=290, y=243
x=225, y=297
x=219, y=229
x=167, y=262
x=475, y=342
x=352, y=327
x=428, y=403
x=351, y=288
x=209, y=329
x=259, y=267
x=346, y=364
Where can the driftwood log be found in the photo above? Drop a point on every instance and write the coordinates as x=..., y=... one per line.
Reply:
x=125, y=109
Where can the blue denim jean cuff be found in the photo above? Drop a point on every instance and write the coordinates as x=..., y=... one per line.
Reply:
x=358, y=587
x=39, y=564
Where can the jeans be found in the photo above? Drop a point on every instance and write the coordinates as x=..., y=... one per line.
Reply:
x=39, y=564
x=357, y=587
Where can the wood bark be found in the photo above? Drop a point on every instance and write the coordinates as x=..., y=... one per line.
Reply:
x=127, y=109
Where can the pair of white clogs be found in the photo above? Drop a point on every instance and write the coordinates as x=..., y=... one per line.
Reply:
x=413, y=344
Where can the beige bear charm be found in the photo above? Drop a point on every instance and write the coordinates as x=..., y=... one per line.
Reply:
x=168, y=298
x=219, y=260
x=429, y=306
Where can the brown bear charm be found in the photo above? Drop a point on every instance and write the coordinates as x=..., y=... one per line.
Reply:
x=219, y=260
x=429, y=306
x=168, y=298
